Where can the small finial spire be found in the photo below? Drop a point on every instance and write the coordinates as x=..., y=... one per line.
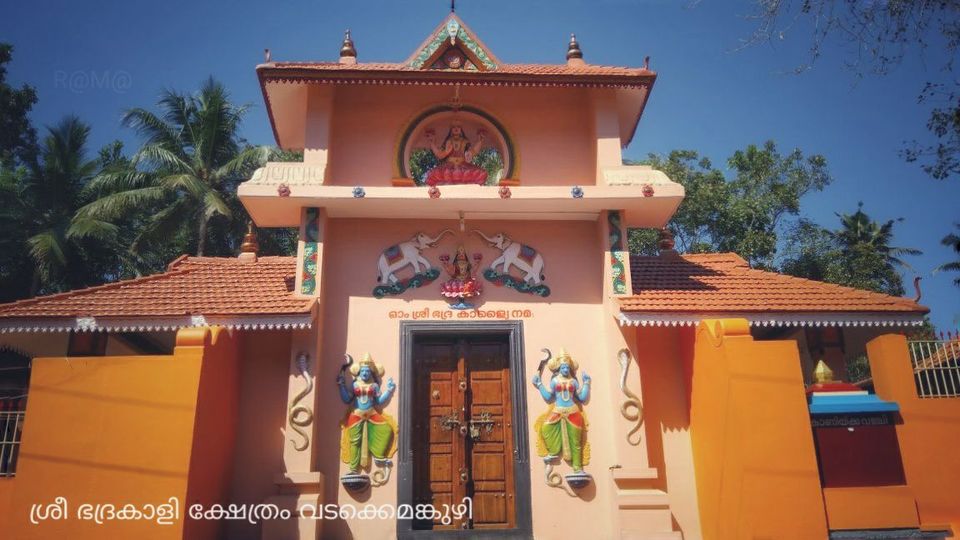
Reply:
x=267, y=57
x=646, y=62
x=665, y=242
x=573, y=49
x=250, y=246
x=453, y=6
x=348, y=54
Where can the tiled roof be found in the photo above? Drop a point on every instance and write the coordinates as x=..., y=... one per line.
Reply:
x=190, y=286
x=514, y=69
x=725, y=283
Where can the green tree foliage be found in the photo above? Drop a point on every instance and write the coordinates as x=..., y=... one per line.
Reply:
x=742, y=214
x=875, y=38
x=858, y=254
x=421, y=161
x=18, y=139
x=952, y=240
x=62, y=250
x=186, y=175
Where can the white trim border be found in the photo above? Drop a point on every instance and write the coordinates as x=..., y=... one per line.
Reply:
x=299, y=321
x=775, y=319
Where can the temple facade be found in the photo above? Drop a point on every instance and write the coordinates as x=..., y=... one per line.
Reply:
x=463, y=345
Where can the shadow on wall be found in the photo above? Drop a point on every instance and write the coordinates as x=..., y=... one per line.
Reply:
x=264, y=375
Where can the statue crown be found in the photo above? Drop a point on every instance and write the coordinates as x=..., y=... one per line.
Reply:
x=563, y=357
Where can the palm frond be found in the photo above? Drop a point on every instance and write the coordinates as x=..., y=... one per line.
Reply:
x=47, y=250
x=163, y=225
x=153, y=128
x=185, y=182
x=244, y=162
x=159, y=156
x=115, y=205
x=213, y=204
x=114, y=181
x=82, y=228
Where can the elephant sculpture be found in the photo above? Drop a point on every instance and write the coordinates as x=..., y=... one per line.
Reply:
x=406, y=253
x=524, y=257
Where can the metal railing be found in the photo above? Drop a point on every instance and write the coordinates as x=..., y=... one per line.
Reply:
x=11, y=426
x=936, y=366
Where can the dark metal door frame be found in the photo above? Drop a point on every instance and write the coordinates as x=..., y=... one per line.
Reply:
x=409, y=332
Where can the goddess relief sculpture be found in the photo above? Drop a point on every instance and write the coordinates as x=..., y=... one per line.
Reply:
x=463, y=284
x=367, y=430
x=561, y=431
x=455, y=153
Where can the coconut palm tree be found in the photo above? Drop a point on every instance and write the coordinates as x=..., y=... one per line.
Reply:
x=186, y=172
x=40, y=203
x=858, y=232
x=952, y=240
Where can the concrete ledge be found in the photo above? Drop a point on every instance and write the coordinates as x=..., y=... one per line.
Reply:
x=299, y=482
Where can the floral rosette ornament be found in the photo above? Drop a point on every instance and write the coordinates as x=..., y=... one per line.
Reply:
x=463, y=283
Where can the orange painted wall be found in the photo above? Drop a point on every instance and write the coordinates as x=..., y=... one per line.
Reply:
x=929, y=434
x=214, y=431
x=753, y=451
x=121, y=430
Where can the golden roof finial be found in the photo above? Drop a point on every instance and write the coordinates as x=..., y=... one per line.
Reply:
x=250, y=244
x=822, y=373
x=573, y=48
x=348, y=53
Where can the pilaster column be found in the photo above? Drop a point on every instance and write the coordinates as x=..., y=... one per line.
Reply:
x=299, y=483
x=316, y=137
x=640, y=510
x=606, y=128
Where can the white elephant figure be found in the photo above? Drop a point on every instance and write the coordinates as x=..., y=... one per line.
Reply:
x=406, y=253
x=524, y=257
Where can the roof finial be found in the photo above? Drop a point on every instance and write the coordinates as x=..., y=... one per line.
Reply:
x=665, y=243
x=267, y=57
x=453, y=6
x=250, y=246
x=646, y=62
x=574, y=54
x=348, y=54
x=573, y=49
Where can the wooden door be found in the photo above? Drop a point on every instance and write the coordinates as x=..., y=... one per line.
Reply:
x=462, y=437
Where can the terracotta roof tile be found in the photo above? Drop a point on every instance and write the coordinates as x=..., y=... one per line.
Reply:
x=190, y=286
x=504, y=73
x=724, y=282
x=523, y=69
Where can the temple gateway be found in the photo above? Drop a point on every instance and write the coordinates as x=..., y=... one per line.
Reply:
x=464, y=347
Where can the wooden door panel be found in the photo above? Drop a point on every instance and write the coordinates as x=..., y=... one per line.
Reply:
x=488, y=466
x=482, y=364
x=491, y=452
x=490, y=511
x=436, y=451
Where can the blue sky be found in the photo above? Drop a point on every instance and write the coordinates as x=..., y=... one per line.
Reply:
x=95, y=59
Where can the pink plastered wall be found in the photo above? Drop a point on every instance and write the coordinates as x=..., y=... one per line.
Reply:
x=571, y=317
x=552, y=130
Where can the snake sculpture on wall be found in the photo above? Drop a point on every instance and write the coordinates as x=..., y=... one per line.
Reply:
x=631, y=409
x=301, y=416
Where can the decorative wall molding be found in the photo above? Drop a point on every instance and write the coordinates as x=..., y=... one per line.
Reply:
x=775, y=319
x=156, y=324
